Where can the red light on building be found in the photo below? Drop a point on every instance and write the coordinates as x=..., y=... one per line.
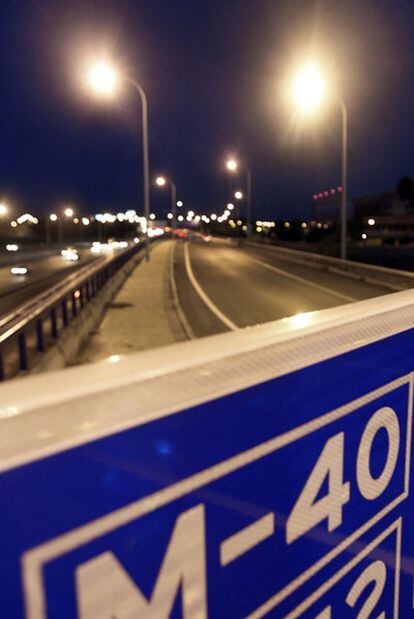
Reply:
x=321, y=195
x=340, y=189
x=315, y=196
x=326, y=194
x=333, y=191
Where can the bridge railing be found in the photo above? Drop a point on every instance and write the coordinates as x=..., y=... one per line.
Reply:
x=266, y=471
x=56, y=307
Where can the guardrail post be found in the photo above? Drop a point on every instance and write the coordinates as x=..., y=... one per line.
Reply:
x=74, y=308
x=65, y=313
x=88, y=290
x=81, y=298
x=22, y=351
x=40, y=336
x=53, y=320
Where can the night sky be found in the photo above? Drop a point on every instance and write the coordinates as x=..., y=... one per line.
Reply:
x=216, y=74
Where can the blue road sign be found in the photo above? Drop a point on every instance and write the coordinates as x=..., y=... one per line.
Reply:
x=291, y=498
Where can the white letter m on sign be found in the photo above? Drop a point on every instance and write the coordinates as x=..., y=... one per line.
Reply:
x=106, y=591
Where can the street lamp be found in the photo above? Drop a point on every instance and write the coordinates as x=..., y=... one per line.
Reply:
x=103, y=79
x=309, y=89
x=238, y=195
x=3, y=209
x=69, y=212
x=232, y=165
x=161, y=181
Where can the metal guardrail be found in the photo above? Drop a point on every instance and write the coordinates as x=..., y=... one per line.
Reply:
x=57, y=305
x=393, y=279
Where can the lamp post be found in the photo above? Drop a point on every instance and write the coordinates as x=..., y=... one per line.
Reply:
x=309, y=90
x=161, y=181
x=103, y=79
x=232, y=165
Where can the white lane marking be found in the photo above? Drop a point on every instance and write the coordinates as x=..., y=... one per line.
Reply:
x=212, y=307
x=246, y=539
x=296, y=278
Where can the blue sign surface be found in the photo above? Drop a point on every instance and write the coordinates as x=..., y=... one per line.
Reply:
x=292, y=498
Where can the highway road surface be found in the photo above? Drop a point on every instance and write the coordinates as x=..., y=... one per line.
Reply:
x=46, y=268
x=222, y=286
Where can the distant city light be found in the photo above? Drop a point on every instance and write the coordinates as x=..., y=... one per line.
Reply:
x=152, y=216
x=68, y=212
x=371, y=221
x=180, y=218
x=363, y=236
x=53, y=217
x=179, y=203
x=85, y=221
x=238, y=195
x=230, y=206
x=170, y=216
x=12, y=247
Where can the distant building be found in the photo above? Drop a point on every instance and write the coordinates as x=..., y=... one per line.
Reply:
x=387, y=216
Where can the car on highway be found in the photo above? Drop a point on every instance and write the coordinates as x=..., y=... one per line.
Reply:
x=19, y=271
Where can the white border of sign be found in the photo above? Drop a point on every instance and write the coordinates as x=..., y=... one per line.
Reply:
x=396, y=526
x=34, y=559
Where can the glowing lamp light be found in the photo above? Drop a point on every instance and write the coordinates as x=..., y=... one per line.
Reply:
x=315, y=196
x=339, y=189
x=102, y=79
x=333, y=192
x=68, y=212
x=326, y=194
x=179, y=203
x=53, y=217
x=160, y=181
x=371, y=221
x=238, y=195
x=231, y=165
x=320, y=195
x=308, y=89
x=3, y=209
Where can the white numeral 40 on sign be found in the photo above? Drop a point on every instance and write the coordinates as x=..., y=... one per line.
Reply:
x=309, y=511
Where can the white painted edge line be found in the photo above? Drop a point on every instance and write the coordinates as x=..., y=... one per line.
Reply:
x=334, y=293
x=203, y=296
x=246, y=539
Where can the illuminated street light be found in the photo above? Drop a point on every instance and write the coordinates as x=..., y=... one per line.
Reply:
x=161, y=181
x=309, y=89
x=371, y=222
x=53, y=217
x=179, y=203
x=238, y=195
x=232, y=165
x=3, y=209
x=68, y=212
x=103, y=79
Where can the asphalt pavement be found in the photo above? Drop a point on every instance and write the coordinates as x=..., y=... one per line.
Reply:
x=45, y=269
x=222, y=286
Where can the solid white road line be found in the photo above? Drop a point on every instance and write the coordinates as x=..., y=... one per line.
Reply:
x=203, y=296
x=334, y=293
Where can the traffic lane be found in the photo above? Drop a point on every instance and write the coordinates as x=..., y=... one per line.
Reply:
x=44, y=273
x=201, y=320
x=349, y=286
x=246, y=292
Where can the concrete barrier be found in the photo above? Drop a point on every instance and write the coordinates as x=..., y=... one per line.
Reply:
x=393, y=279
